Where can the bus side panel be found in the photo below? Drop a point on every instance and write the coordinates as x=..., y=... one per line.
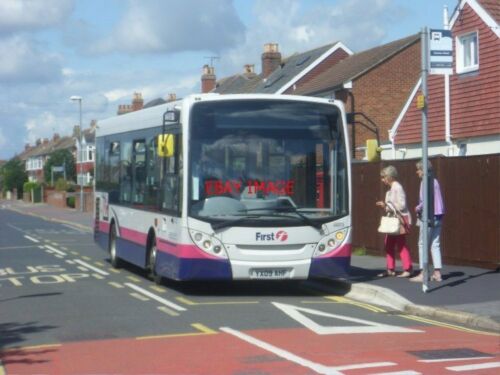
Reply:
x=334, y=266
x=131, y=252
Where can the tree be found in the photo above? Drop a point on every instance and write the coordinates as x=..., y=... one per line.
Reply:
x=57, y=159
x=14, y=175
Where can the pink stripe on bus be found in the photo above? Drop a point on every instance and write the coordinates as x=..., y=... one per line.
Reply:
x=183, y=250
x=133, y=236
x=104, y=226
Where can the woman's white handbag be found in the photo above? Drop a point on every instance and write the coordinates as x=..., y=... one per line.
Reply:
x=389, y=225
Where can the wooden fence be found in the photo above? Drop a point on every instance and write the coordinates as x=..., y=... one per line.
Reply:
x=471, y=190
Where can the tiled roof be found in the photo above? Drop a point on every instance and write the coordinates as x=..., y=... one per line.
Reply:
x=237, y=84
x=290, y=68
x=354, y=66
x=154, y=103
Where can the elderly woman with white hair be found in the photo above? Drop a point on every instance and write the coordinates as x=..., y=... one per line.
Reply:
x=395, y=198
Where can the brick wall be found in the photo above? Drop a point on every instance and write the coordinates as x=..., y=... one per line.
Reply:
x=382, y=92
x=56, y=198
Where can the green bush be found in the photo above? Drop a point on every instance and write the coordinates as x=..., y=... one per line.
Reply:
x=70, y=202
x=30, y=185
x=61, y=184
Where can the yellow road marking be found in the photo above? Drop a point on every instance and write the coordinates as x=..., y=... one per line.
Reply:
x=99, y=264
x=113, y=270
x=115, y=284
x=157, y=288
x=168, y=311
x=133, y=278
x=355, y=303
x=447, y=325
x=203, y=330
x=74, y=253
x=2, y=370
x=97, y=276
x=193, y=303
x=86, y=258
x=139, y=296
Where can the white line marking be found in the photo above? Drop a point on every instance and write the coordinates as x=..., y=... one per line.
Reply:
x=31, y=239
x=478, y=366
x=55, y=250
x=298, y=313
x=95, y=269
x=408, y=372
x=452, y=359
x=321, y=369
x=155, y=297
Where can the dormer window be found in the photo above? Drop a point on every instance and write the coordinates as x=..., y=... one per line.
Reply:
x=467, y=53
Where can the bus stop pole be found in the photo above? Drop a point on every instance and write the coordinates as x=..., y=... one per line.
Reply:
x=424, y=38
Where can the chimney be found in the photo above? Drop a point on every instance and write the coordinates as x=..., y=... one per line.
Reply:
x=271, y=59
x=137, y=102
x=93, y=124
x=56, y=137
x=38, y=142
x=249, y=69
x=207, y=79
x=45, y=141
x=27, y=147
x=171, y=97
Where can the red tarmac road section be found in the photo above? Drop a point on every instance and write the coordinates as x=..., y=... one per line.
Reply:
x=277, y=351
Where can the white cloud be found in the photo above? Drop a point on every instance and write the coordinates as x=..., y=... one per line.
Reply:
x=298, y=28
x=17, y=15
x=158, y=26
x=46, y=124
x=23, y=60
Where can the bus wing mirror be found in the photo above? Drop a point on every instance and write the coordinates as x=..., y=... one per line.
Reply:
x=372, y=150
x=171, y=116
x=166, y=145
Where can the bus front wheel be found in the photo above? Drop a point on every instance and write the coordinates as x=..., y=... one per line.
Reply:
x=153, y=252
x=113, y=257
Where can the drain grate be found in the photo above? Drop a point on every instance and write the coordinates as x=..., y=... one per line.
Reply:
x=448, y=353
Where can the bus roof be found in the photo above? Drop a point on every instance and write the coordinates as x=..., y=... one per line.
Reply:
x=153, y=116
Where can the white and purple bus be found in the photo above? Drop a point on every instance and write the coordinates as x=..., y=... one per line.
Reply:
x=226, y=187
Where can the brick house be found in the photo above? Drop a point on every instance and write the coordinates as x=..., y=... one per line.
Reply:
x=464, y=108
x=374, y=84
x=278, y=76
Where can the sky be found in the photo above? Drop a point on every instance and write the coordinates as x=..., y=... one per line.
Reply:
x=105, y=50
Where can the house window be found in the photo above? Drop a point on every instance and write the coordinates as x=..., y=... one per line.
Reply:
x=467, y=53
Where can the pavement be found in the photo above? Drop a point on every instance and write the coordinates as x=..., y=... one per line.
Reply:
x=467, y=295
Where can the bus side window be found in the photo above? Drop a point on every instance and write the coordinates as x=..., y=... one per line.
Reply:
x=126, y=172
x=139, y=171
x=171, y=186
x=114, y=171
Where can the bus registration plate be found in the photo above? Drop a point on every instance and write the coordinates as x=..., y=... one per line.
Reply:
x=270, y=273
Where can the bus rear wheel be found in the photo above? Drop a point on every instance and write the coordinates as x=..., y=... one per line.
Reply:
x=113, y=257
x=152, y=255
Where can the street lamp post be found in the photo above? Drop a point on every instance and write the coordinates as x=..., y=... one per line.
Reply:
x=78, y=99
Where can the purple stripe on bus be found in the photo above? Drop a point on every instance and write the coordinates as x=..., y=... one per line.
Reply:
x=343, y=251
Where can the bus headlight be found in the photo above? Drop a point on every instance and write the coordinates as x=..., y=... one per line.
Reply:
x=330, y=242
x=208, y=244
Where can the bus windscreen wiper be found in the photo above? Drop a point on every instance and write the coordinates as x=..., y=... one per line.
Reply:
x=230, y=222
